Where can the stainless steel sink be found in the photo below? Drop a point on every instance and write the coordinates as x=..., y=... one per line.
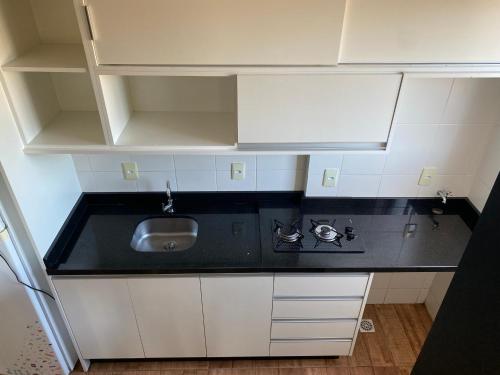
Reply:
x=165, y=234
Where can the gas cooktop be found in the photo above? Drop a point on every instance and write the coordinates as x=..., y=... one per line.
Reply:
x=316, y=234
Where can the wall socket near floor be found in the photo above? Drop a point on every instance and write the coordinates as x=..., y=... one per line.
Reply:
x=330, y=177
x=427, y=175
x=130, y=171
x=237, y=171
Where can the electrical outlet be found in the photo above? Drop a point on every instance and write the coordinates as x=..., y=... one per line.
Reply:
x=237, y=171
x=330, y=177
x=130, y=171
x=426, y=176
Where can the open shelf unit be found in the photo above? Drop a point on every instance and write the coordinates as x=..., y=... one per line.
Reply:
x=171, y=112
x=46, y=77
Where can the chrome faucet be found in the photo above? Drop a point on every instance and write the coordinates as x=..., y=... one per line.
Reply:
x=444, y=194
x=169, y=207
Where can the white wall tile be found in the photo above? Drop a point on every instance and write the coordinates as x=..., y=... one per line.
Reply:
x=113, y=181
x=281, y=162
x=225, y=183
x=280, y=180
x=359, y=185
x=318, y=163
x=363, y=164
x=315, y=188
x=422, y=296
x=108, y=162
x=423, y=100
x=82, y=163
x=376, y=296
x=86, y=180
x=410, y=148
x=479, y=195
x=459, y=185
x=194, y=162
x=202, y=180
x=223, y=163
x=399, y=186
x=458, y=149
x=473, y=101
x=402, y=295
x=156, y=181
x=153, y=163
x=381, y=280
x=490, y=164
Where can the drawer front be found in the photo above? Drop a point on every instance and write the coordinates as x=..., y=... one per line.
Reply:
x=310, y=329
x=310, y=347
x=316, y=309
x=320, y=286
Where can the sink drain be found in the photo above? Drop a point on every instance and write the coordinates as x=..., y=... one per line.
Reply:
x=169, y=246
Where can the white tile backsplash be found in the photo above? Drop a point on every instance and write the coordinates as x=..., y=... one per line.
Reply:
x=359, y=185
x=225, y=183
x=281, y=162
x=194, y=162
x=108, y=162
x=201, y=180
x=154, y=163
x=363, y=164
x=399, y=186
x=315, y=188
x=112, y=181
x=156, y=181
x=280, y=180
x=82, y=163
x=423, y=100
x=223, y=163
x=318, y=163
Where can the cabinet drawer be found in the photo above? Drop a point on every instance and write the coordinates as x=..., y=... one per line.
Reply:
x=310, y=347
x=320, y=286
x=316, y=309
x=310, y=329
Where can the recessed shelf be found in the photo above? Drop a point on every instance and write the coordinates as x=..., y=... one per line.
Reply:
x=180, y=130
x=71, y=129
x=62, y=58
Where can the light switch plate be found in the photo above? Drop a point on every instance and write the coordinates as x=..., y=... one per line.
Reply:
x=426, y=176
x=330, y=177
x=130, y=171
x=237, y=171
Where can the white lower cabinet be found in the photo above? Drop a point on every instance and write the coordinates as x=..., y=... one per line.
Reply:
x=226, y=315
x=101, y=317
x=237, y=312
x=169, y=315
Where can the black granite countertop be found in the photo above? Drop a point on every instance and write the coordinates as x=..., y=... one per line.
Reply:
x=235, y=234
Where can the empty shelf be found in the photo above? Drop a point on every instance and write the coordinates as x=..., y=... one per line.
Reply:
x=71, y=128
x=210, y=130
x=64, y=58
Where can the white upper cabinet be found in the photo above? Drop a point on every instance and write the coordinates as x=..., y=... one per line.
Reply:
x=237, y=311
x=421, y=31
x=216, y=32
x=169, y=315
x=323, y=108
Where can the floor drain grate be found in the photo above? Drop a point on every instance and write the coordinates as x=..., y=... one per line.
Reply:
x=367, y=326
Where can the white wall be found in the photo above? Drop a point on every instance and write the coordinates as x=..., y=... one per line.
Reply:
x=400, y=287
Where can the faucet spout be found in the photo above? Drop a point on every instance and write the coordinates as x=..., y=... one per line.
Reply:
x=444, y=194
x=168, y=208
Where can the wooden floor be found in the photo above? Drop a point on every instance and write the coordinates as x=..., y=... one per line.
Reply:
x=391, y=350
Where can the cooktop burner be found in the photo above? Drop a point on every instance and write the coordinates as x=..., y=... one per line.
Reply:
x=322, y=236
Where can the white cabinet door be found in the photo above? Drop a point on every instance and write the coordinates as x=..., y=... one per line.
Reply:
x=101, y=317
x=421, y=31
x=217, y=32
x=342, y=108
x=169, y=315
x=237, y=312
